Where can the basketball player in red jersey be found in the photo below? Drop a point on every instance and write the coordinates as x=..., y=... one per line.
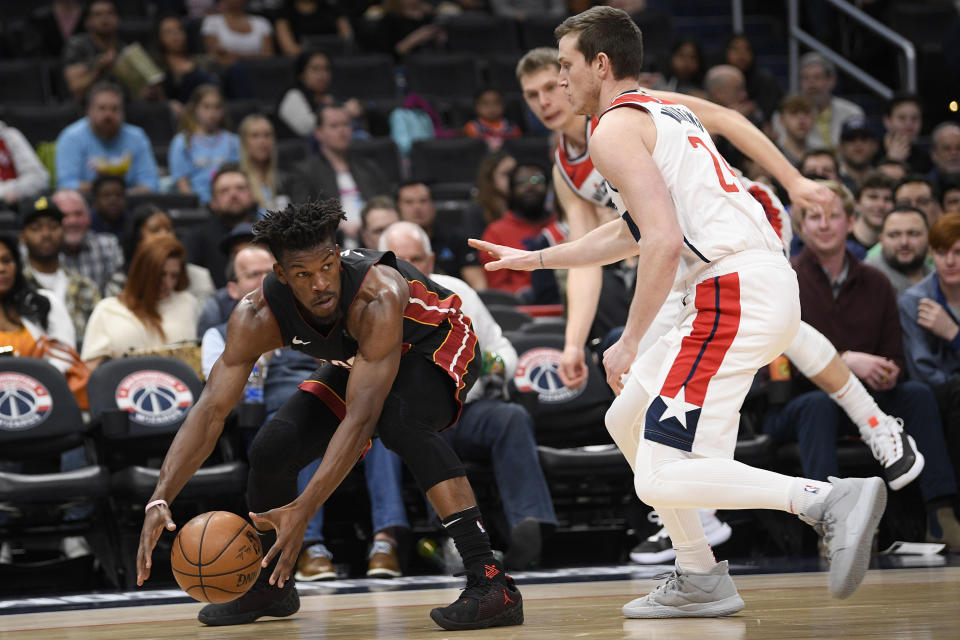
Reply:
x=704, y=232
x=399, y=357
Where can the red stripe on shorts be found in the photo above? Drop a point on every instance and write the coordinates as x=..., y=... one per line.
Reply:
x=701, y=353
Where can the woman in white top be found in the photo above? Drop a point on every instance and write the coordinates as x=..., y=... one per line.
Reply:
x=146, y=221
x=233, y=34
x=153, y=311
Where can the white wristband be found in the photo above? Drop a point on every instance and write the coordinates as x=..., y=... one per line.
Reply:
x=155, y=503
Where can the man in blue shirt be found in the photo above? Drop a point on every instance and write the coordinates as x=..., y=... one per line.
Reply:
x=103, y=143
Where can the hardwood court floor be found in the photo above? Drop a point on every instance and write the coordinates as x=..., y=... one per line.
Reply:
x=902, y=604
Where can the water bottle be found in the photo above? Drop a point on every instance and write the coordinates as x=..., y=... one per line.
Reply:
x=253, y=391
x=429, y=550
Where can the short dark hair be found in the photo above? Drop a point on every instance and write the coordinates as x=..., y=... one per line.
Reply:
x=952, y=184
x=910, y=178
x=225, y=168
x=103, y=86
x=906, y=209
x=299, y=226
x=105, y=178
x=874, y=180
x=820, y=151
x=376, y=202
x=607, y=30
x=323, y=107
x=410, y=183
x=902, y=98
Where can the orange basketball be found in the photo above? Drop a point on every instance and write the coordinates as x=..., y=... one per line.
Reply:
x=216, y=557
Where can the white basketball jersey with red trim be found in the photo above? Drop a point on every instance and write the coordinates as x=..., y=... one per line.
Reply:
x=579, y=172
x=717, y=215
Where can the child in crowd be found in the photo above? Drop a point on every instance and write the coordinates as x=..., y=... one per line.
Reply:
x=202, y=144
x=490, y=125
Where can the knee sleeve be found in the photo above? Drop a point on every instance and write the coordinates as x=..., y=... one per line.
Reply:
x=624, y=418
x=428, y=456
x=810, y=351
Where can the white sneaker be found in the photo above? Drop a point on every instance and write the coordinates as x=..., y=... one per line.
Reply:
x=6, y=553
x=75, y=547
x=847, y=518
x=689, y=595
x=658, y=549
x=901, y=461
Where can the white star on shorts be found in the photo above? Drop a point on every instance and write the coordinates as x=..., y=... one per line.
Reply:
x=677, y=408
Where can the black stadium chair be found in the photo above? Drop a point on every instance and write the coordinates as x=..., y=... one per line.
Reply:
x=384, y=153
x=139, y=403
x=9, y=221
x=24, y=81
x=502, y=72
x=446, y=75
x=447, y=160
x=367, y=77
x=498, y=297
x=330, y=44
x=509, y=317
x=531, y=149
x=291, y=152
x=562, y=417
x=270, y=77
x=40, y=419
x=42, y=123
x=477, y=32
x=155, y=118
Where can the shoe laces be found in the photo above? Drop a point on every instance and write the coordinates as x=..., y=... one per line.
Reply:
x=381, y=546
x=826, y=530
x=886, y=444
x=674, y=582
x=319, y=550
x=477, y=587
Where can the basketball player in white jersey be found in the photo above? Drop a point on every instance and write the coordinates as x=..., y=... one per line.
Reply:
x=581, y=192
x=679, y=405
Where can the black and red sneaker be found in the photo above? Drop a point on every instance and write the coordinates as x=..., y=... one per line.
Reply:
x=491, y=599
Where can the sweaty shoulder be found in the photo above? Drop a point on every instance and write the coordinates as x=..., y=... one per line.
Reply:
x=382, y=284
x=252, y=326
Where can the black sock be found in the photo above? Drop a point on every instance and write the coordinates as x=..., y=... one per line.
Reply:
x=471, y=539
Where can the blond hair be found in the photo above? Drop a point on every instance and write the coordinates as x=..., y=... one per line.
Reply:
x=537, y=59
x=256, y=186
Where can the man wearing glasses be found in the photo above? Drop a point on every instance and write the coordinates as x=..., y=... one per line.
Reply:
x=916, y=191
x=526, y=217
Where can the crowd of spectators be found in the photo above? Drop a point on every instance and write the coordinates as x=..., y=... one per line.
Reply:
x=103, y=258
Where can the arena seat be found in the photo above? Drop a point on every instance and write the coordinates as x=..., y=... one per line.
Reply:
x=270, y=77
x=367, y=77
x=384, y=153
x=22, y=82
x=139, y=403
x=39, y=420
x=154, y=118
x=478, y=32
x=562, y=417
x=442, y=75
x=42, y=123
x=447, y=160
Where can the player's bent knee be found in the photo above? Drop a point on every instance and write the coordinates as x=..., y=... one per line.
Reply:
x=270, y=449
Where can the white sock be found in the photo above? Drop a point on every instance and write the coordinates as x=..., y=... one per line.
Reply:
x=686, y=534
x=859, y=405
x=804, y=493
x=696, y=557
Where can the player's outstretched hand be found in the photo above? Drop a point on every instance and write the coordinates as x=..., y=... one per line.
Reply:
x=810, y=195
x=155, y=520
x=290, y=523
x=616, y=361
x=573, y=367
x=507, y=257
